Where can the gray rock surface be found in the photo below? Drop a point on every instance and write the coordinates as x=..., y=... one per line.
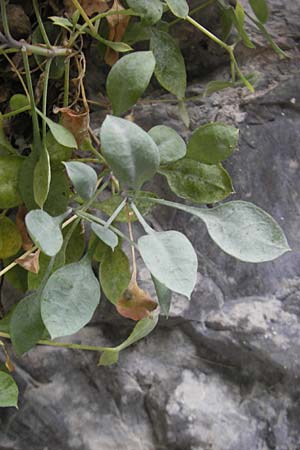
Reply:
x=223, y=372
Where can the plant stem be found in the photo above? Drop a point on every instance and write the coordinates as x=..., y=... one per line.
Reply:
x=45, y=94
x=193, y=11
x=35, y=122
x=40, y=22
x=91, y=348
x=208, y=33
x=84, y=16
x=116, y=213
x=134, y=268
x=67, y=82
x=141, y=219
x=16, y=112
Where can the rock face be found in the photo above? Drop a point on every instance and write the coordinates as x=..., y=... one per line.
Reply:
x=223, y=372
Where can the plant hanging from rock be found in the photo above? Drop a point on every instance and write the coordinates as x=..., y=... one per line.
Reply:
x=64, y=176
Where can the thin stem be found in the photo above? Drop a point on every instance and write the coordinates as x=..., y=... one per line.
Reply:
x=134, y=268
x=4, y=19
x=9, y=41
x=45, y=94
x=208, y=33
x=40, y=22
x=15, y=112
x=141, y=219
x=193, y=11
x=35, y=122
x=67, y=82
x=116, y=213
x=84, y=16
x=91, y=348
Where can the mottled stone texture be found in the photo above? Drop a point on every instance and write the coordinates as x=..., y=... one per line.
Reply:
x=223, y=372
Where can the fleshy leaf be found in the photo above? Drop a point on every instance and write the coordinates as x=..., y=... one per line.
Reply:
x=141, y=330
x=114, y=274
x=9, y=173
x=105, y=235
x=45, y=231
x=212, y=143
x=200, y=183
x=70, y=298
x=240, y=229
x=171, y=259
x=164, y=296
x=170, y=66
x=179, y=8
x=170, y=144
x=10, y=238
x=8, y=391
x=129, y=150
x=26, y=325
x=128, y=79
x=62, y=135
x=150, y=11
x=83, y=177
x=260, y=9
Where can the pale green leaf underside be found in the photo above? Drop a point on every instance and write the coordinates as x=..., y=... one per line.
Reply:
x=45, y=231
x=83, y=178
x=8, y=391
x=179, y=8
x=170, y=144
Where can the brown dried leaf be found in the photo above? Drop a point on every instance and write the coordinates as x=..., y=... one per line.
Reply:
x=117, y=24
x=20, y=222
x=90, y=6
x=76, y=122
x=135, y=303
x=8, y=362
x=31, y=262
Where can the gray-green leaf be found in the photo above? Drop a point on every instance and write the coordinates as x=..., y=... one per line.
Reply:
x=164, y=296
x=26, y=325
x=179, y=8
x=212, y=143
x=130, y=151
x=42, y=178
x=141, y=330
x=170, y=66
x=45, y=231
x=114, y=274
x=240, y=229
x=62, y=135
x=150, y=11
x=105, y=235
x=70, y=298
x=8, y=391
x=171, y=259
x=171, y=146
x=83, y=178
x=128, y=80
x=199, y=183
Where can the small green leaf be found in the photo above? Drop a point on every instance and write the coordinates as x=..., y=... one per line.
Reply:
x=26, y=325
x=184, y=113
x=105, y=235
x=59, y=192
x=239, y=21
x=120, y=47
x=171, y=259
x=42, y=178
x=240, y=229
x=8, y=391
x=9, y=172
x=114, y=274
x=164, y=296
x=70, y=298
x=197, y=182
x=128, y=80
x=18, y=101
x=10, y=238
x=260, y=9
x=171, y=146
x=45, y=231
x=141, y=330
x=62, y=22
x=83, y=177
x=129, y=150
x=150, y=11
x=212, y=143
x=170, y=66
x=61, y=134
x=179, y=8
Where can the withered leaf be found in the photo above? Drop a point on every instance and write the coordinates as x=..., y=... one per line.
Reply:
x=76, y=122
x=117, y=24
x=20, y=222
x=135, y=303
x=31, y=262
